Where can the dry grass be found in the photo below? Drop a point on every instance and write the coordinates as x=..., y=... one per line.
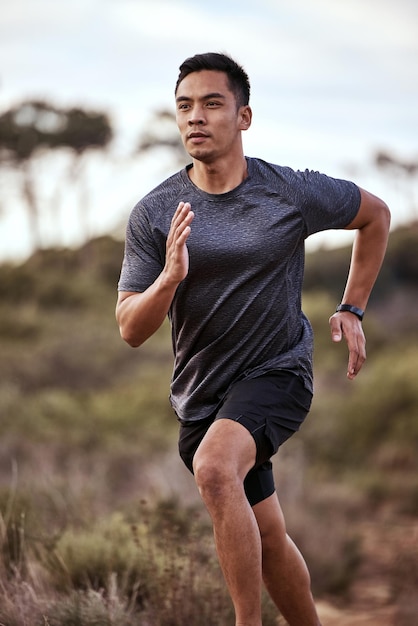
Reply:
x=86, y=432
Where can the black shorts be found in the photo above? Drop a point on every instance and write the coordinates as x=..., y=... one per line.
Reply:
x=271, y=407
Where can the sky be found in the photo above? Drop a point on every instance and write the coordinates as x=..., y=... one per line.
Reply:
x=331, y=84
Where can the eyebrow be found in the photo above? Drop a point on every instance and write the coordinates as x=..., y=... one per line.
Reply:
x=208, y=96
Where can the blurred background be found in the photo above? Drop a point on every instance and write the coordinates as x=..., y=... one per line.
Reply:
x=100, y=523
x=333, y=89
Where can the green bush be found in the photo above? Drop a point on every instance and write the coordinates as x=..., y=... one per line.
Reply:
x=85, y=425
x=160, y=573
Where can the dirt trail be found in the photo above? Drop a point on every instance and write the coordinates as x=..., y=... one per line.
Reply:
x=386, y=546
x=332, y=616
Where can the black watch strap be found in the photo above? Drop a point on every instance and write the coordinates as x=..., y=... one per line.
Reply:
x=350, y=309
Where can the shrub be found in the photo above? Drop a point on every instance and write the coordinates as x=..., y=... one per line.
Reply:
x=92, y=608
x=14, y=514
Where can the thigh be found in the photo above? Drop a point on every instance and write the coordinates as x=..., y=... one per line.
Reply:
x=190, y=437
x=258, y=483
x=227, y=448
x=271, y=407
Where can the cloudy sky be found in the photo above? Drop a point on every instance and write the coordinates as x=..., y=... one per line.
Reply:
x=332, y=82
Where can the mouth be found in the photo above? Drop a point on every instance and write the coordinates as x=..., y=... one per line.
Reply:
x=197, y=136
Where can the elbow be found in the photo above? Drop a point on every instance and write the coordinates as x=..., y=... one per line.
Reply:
x=383, y=224
x=129, y=337
x=127, y=329
x=135, y=325
x=385, y=215
x=379, y=224
x=382, y=215
x=374, y=213
x=131, y=341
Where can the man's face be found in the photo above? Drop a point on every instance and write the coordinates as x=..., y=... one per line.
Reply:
x=207, y=116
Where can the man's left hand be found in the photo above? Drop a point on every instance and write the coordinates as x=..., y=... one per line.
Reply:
x=345, y=324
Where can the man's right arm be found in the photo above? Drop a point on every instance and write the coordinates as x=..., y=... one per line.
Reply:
x=139, y=315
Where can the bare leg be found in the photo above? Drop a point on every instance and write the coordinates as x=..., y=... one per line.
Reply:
x=284, y=570
x=219, y=476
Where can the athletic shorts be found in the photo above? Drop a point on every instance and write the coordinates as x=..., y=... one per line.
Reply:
x=271, y=407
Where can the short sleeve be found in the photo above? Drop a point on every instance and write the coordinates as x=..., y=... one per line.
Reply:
x=144, y=253
x=326, y=202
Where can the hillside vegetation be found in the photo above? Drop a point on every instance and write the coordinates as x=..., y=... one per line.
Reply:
x=99, y=521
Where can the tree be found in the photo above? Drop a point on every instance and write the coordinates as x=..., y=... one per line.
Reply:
x=402, y=171
x=162, y=132
x=33, y=127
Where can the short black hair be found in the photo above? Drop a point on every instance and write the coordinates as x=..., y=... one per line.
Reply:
x=237, y=77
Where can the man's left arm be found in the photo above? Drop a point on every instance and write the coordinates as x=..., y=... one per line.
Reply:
x=372, y=223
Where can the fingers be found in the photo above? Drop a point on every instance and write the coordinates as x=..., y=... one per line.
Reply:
x=356, y=356
x=348, y=326
x=180, y=225
x=177, y=258
x=181, y=220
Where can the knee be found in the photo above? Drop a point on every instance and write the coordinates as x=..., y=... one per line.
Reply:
x=214, y=481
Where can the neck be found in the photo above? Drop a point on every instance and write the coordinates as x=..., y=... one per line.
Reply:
x=218, y=177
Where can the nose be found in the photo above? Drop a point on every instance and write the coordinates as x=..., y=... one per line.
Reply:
x=196, y=117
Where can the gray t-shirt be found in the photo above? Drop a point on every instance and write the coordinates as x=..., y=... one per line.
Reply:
x=238, y=312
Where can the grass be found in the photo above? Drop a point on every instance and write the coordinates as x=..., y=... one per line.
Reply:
x=87, y=434
x=160, y=570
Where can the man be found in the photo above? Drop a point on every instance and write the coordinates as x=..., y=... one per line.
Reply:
x=219, y=247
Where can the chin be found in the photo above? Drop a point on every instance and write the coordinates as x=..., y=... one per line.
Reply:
x=200, y=155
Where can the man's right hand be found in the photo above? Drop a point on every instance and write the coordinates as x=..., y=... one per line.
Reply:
x=140, y=314
x=177, y=255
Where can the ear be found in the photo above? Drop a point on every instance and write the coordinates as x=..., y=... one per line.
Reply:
x=245, y=117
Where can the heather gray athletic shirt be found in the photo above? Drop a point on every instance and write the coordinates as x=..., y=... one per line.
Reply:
x=238, y=312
